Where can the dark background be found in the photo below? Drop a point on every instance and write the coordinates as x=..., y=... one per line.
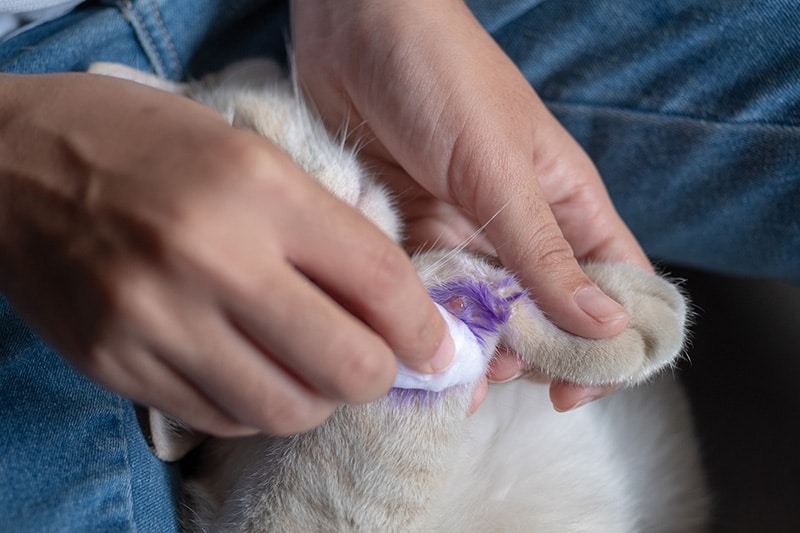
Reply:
x=742, y=377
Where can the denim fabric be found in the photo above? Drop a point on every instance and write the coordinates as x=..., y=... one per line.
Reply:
x=689, y=109
x=72, y=457
x=176, y=39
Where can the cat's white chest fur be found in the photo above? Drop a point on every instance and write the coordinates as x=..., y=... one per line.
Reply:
x=525, y=467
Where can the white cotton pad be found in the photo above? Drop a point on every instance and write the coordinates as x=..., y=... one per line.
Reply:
x=468, y=366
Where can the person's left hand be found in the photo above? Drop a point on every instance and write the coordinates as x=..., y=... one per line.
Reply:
x=465, y=144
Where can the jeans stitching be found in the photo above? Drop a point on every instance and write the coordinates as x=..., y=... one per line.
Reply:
x=120, y=417
x=130, y=12
x=662, y=115
x=170, y=46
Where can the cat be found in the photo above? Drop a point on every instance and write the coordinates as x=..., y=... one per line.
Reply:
x=414, y=460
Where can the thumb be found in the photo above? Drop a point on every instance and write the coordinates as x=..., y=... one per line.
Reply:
x=529, y=242
x=545, y=264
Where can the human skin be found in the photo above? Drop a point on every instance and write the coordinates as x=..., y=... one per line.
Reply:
x=466, y=144
x=181, y=262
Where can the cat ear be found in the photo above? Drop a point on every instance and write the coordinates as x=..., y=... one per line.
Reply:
x=118, y=70
x=169, y=439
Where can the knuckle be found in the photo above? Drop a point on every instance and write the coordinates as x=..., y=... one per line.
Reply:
x=281, y=416
x=255, y=165
x=233, y=154
x=284, y=413
x=130, y=295
x=361, y=376
x=547, y=248
x=230, y=170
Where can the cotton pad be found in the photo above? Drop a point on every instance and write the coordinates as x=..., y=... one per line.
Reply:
x=468, y=365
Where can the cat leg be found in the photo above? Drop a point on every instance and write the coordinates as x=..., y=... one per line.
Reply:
x=372, y=467
x=652, y=340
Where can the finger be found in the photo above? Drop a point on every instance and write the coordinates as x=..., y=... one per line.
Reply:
x=247, y=382
x=373, y=278
x=569, y=216
x=260, y=393
x=313, y=338
x=140, y=375
x=481, y=153
x=481, y=390
x=568, y=396
x=504, y=366
x=190, y=331
x=544, y=261
x=555, y=265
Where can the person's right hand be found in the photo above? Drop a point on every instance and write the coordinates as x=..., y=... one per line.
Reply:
x=191, y=266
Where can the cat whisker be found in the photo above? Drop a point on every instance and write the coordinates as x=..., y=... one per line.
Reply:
x=463, y=245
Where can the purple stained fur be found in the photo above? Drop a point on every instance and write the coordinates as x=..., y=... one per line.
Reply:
x=418, y=397
x=480, y=306
x=477, y=303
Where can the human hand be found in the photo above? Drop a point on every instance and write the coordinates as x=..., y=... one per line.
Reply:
x=465, y=143
x=185, y=264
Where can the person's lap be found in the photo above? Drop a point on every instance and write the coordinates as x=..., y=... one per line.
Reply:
x=71, y=454
x=690, y=110
x=691, y=115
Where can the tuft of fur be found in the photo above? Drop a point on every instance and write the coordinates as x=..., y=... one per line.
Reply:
x=414, y=460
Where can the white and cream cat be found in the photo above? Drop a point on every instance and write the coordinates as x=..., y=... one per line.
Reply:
x=414, y=461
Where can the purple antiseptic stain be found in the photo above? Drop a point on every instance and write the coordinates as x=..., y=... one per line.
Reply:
x=477, y=303
x=413, y=397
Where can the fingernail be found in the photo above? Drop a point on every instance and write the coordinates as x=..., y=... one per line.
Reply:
x=518, y=374
x=579, y=403
x=445, y=353
x=597, y=305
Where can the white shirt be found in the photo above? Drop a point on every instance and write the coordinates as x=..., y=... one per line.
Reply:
x=19, y=15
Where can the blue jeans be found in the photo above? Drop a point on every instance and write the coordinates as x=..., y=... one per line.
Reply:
x=691, y=111
x=71, y=454
x=689, y=108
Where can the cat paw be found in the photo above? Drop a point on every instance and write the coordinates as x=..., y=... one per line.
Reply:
x=652, y=340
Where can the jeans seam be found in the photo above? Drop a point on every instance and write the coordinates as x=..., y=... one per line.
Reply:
x=556, y=104
x=120, y=412
x=170, y=45
x=131, y=14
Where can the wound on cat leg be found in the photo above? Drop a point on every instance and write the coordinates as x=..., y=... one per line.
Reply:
x=475, y=311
